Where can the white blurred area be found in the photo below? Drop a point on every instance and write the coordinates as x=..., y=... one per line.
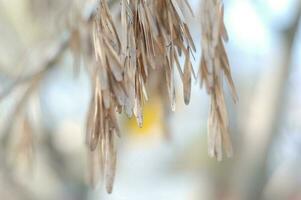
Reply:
x=149, y=165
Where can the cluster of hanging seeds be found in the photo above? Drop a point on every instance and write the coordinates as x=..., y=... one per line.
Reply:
x=153, y=36
x=109, y=95
x=214, y=65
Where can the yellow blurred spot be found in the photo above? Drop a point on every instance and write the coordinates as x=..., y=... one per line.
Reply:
x=152, y=119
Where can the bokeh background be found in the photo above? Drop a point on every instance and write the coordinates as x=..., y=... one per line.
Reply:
x=42, y=149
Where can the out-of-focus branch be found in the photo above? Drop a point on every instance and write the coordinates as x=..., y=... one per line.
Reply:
x=47, y=63
x=263, y=124
x=51, y=58
x=54, y=54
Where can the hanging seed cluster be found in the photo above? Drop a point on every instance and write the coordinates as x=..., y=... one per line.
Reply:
x=214, y=65
x=153, y=36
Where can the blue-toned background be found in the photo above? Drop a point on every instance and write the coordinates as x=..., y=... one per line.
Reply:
x=265, y=55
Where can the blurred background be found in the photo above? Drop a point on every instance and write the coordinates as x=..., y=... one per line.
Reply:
x=42, y=126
